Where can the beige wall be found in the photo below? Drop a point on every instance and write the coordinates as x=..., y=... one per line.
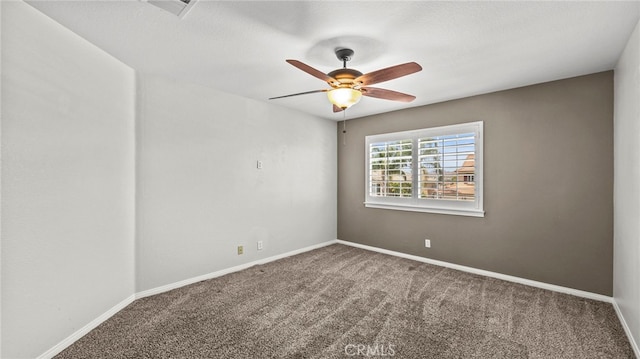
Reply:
x=548, y=185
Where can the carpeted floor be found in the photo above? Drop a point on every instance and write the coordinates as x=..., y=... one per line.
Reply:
x=345, y=302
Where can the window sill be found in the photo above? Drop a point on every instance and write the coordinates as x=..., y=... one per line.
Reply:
x=399, y=207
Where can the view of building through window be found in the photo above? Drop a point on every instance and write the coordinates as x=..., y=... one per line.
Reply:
x=447, y=167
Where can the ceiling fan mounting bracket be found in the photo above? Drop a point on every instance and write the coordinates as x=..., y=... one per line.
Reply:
x=344, y=55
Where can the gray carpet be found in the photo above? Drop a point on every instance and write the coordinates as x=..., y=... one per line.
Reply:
x=344, y=302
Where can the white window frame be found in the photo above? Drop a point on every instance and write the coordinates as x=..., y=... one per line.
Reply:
x=473, y=208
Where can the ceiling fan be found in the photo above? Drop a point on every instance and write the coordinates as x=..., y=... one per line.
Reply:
x=349, y=85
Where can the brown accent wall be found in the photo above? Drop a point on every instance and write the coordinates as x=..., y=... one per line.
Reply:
x=548, y=185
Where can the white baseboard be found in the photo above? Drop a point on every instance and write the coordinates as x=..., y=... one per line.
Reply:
x=93, y=324
x=182, y=283
x=509, y=278
x=529, y=282
x=627, y=330
x=86, y=329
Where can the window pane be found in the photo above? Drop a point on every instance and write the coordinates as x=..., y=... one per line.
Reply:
x=447, y=167
x=390, y=169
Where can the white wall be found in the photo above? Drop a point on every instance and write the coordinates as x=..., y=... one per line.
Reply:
x=200, y=194
x=626, y=276
x=67, y=182
x=84, y=226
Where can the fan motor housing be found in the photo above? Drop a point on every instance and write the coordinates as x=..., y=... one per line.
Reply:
x=345, y=76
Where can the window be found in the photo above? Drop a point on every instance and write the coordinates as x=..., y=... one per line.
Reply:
x=436, y=170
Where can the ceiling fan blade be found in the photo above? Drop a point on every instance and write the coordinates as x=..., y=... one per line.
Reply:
x=313, y=72
x=387, y=94
x=298, y=94
x=336, y=109
x=388, y=73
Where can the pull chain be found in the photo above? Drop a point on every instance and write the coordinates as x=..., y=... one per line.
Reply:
x=344, y=127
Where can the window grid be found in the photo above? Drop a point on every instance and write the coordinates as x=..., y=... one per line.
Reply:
x=390, y=169
x=447, y=167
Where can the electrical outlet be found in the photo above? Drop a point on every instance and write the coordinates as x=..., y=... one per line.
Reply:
x=240, y=250
x=259, y=165
x=427, y=243
x=260, y=245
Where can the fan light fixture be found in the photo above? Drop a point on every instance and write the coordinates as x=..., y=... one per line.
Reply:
x=344, y=97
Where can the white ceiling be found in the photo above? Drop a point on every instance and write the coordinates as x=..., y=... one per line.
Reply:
x=465, y=48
